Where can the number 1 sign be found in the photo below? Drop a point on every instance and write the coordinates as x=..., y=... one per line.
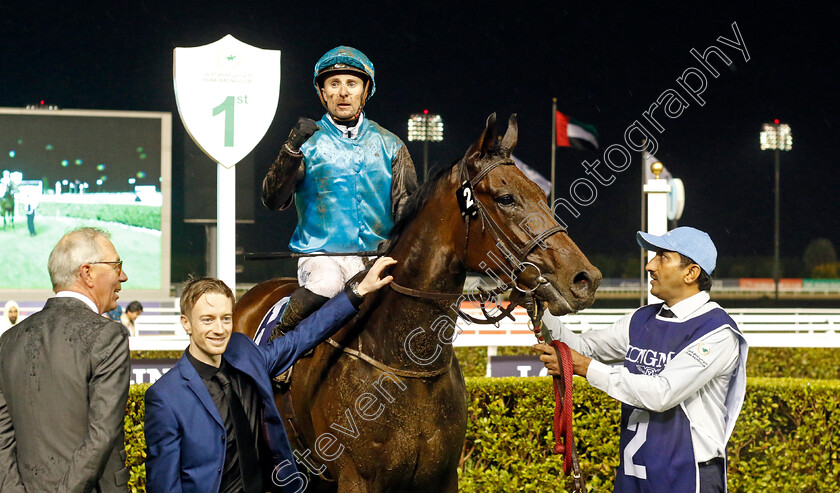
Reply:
x=227, y=94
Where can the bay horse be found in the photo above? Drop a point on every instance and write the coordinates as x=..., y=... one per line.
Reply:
x=381, y=406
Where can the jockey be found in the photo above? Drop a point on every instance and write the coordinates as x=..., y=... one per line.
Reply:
x=347, y=176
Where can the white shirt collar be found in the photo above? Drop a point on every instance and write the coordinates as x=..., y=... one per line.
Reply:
x=79, y=296
x=344, y=129
x=689, y=305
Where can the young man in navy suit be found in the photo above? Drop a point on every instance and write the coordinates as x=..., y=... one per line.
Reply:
x=211, y=422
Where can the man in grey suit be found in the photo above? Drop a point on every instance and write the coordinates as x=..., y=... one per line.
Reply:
x=64, y=375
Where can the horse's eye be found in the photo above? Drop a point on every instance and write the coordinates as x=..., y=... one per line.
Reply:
x=505, y=200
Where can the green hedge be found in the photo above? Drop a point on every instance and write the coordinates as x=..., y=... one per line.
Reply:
x=156, y=354
x=813, y=363
x=143, y=216
x=135, y=440
x=787, y=438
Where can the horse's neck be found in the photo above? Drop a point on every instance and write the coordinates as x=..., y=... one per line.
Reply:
x=428, y=263
x=428, y=260
x=430, y=248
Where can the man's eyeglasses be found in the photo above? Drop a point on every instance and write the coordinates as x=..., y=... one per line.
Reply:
x=116, y=263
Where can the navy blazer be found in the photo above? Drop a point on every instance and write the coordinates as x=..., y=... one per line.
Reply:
x=185, y=436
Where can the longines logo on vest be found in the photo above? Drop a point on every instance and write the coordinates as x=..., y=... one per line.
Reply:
x=648, y=361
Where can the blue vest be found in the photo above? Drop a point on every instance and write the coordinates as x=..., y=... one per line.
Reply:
x=656, y=451
x=344, y=201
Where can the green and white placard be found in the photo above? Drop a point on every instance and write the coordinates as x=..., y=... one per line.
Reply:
x=227, y=94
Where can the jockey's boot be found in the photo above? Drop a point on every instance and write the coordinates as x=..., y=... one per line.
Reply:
x=302, y=303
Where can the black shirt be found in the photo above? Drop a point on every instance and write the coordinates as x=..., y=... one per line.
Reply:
x=245, y=389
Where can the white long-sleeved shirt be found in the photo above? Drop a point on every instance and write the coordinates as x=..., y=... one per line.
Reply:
x=697, y=378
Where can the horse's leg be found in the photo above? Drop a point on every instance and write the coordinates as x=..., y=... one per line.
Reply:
x=450, y=482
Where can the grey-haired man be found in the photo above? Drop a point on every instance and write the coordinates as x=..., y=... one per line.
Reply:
x=64, y=375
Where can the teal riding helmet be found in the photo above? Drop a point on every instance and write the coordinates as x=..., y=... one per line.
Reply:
x=342, y=59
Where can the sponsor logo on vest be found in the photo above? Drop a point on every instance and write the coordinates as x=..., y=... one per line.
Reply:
x=648, y=361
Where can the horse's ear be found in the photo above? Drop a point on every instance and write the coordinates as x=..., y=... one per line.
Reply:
x=487, y=139
x=490, y=133
x=511, y=136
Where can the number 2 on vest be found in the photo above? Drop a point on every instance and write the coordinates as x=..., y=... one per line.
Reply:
x=638, y=422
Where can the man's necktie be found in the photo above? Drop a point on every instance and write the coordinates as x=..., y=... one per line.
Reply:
x=249, y=462
x=666, y=313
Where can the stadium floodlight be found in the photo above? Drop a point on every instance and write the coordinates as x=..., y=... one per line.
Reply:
x=776, y=137
x=425, y=127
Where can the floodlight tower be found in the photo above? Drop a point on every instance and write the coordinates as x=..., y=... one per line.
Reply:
x=425, y=127
x=776, y=136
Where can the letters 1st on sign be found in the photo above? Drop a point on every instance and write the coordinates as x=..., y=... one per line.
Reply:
x=227, y=107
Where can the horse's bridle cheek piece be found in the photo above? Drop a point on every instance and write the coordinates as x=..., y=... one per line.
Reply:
x=515, y=255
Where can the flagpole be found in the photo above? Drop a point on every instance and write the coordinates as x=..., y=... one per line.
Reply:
x=553, y=144
x=643, y=260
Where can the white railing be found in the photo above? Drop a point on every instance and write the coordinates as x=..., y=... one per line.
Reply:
x=160, y=328
x=761, y=327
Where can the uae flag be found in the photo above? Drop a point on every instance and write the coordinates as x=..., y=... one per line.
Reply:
x=575, y=134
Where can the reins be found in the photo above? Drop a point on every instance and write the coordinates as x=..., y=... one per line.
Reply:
x=564, y=440
x=358, y=354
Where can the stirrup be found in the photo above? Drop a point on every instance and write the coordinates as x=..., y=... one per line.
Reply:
x=283, y=381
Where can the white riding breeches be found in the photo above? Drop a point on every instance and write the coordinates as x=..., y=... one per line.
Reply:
x=326, y=276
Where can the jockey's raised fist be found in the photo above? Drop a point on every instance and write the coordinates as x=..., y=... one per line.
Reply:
x=304, y=128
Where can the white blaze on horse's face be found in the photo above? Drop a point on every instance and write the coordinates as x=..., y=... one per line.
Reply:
x=343, y=95
x=209, y=325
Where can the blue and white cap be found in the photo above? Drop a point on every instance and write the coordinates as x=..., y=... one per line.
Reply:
x=345, y=58
x=692, y=243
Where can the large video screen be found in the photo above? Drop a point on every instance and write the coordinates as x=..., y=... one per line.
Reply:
x=62, y=169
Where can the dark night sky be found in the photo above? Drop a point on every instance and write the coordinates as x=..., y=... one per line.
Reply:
x=605, y=64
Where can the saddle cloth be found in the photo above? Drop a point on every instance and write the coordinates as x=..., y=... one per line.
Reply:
x=269, y=321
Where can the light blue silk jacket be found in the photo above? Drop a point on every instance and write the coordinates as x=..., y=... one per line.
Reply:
x=344, y=202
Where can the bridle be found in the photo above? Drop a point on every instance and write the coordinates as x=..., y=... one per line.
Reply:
x=514, y=254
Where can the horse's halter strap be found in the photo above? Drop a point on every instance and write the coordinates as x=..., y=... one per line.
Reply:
x=517, y=254
x=502, y=240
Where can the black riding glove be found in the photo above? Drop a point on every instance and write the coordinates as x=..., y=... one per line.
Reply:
x=304, y=128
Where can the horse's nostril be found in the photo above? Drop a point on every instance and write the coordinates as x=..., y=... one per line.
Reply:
x=582, y=279
x=585, y=283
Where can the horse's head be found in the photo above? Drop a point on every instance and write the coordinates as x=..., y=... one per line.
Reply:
x=512, y=234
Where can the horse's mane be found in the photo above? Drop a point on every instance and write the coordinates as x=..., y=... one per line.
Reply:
x=418, y=199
